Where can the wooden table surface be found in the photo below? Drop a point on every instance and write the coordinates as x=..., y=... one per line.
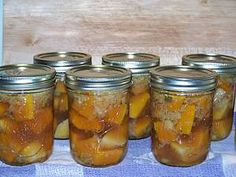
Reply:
x=169, y=28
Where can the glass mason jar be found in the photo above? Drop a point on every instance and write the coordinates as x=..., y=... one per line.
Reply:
x=181, y=109
x=61, y=62
x=26, y=113
x=223, y=108
x=139, y=109
x=98, y=114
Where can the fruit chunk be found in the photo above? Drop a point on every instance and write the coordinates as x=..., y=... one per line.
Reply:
x=24, y=110
x=141, y=126
x=62, y=130
x=7, y=125
x=8, y=148
x=137, y=104
x=194, y=148
x=84, y=146
x=203, y=101
x=8, y=156
x=3, y=108
x=116, y=114
x=164, y=132
x=33, y=152
x=225, y=85
x=63, y=104
x=221, y=128
x=86, y=109
x=139, y=88
x=83, y=123
x=60, y=87
x=116, y=137
x=107, y=157
x=31, y=149
x=89, y=152
x=221, y=109
x=176, y=103
x=185, y=123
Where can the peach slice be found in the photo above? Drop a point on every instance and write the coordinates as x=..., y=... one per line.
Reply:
x=60, y=87
x=9, y=143
x=31, y=149
x=86, y=146
x=221, y=128
x=221, y=109
x=7, y=125
x=33, y=152
x=8, y=154
x=137, y=104
x=139, y=88
x=176, y=103
x=56, y=102
x=116, y=137
x=141, y=125
x=62, y=130
x=164, y=133
x=116, y=114
x=194, y=148
x=83, y=123
x=63, y=103
x=225, y=85
x=86, y=109
x=185, y=123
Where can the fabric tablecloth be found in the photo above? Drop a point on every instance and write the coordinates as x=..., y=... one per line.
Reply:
x=139, y=161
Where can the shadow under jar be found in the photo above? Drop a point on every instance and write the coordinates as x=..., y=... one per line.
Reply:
x=98, y=114
x=223, y=108
x=61, y=62
x=26, y=113
x=139, y=107
x=181, y=110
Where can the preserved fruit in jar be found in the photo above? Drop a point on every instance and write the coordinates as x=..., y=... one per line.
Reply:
x=26, y=113
x=139, y=106
x=61, y=62
x=181, y=109
x=98, y=114
x=223, y=105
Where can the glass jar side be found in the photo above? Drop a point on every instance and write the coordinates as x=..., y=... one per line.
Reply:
x=223, y=106
x=26, y=126
x=181, y=126
x=139, y=110
x=61, y=124
x=98, y=122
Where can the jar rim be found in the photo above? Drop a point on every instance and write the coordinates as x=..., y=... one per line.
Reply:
x=26, y=77
x=97, y=77
x=62, y=61
x=216, y=62
x=137, y=62
x=183, y=78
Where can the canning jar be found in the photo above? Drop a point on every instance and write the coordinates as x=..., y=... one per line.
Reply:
x=181, y=109
x=139, y=108
x=61, y=62
x=98, y=114
x=223, y=109
x=26, y=113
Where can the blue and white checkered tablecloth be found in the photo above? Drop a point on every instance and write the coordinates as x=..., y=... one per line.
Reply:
x=139, y=161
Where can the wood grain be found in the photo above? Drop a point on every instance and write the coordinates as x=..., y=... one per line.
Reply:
x=169, y=28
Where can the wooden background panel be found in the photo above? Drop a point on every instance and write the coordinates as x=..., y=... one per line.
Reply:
x=169, y=28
